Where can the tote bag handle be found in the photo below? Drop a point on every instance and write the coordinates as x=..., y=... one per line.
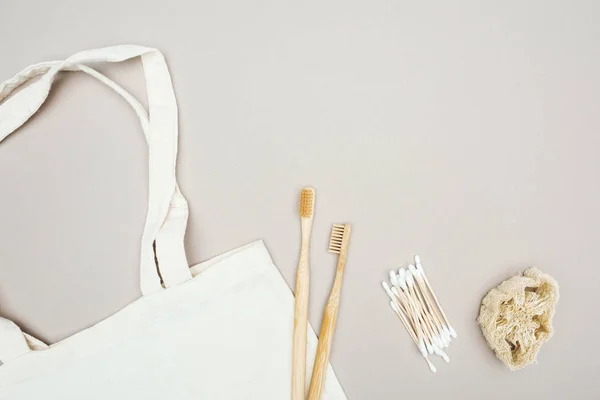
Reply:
x=167, y=208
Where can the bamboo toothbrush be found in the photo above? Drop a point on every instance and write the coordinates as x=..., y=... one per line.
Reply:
x=307, y=211
x=338, y=244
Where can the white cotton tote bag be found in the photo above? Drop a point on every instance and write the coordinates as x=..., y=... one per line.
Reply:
x=219, y=330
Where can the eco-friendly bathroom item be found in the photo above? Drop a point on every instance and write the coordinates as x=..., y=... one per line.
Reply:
x=307, y=212
x=415, y=303
x=516, y=317
x=338, y=244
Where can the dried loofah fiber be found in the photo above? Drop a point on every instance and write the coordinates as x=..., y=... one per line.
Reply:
x=516, y=317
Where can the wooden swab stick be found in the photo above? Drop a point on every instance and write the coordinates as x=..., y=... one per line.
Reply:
x=403, y=289
x=437, y=302
x=395, y=297
x=407, y=325
x=433, y=312
x=399, y=290
x=429, y=300
x=428, y=312
x=415, y=331
x=437, y=335
x=435, y=340
x=420, y=313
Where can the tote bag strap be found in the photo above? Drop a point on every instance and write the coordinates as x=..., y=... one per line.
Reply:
x=167, y=208
x=12, y=341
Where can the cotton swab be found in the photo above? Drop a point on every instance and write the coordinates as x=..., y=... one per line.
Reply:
x=434, y=321
x=412, y=299
x=438, y=338
x=402, y=306
x=420, y=344
x=419, y=276
x=422, y=278
x=419, y=267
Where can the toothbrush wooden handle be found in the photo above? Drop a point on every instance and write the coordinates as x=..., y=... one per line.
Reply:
x=327, y=331
x=300, y=326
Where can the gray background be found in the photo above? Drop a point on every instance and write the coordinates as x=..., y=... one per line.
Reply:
x=462, y=131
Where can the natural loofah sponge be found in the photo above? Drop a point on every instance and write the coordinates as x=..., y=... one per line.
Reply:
x=516, y=317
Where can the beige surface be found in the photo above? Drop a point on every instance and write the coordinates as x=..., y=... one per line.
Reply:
x=472, y=133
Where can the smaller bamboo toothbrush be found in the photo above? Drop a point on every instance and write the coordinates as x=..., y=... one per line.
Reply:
x=307, y=211
x=338, y=244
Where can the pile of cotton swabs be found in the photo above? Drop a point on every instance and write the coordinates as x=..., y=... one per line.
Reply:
x=417, y=306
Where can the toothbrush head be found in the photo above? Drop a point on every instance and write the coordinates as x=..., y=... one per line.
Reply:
x=307, y=203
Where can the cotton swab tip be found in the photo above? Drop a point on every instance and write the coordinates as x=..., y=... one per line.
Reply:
x=452, y=332
x=447, y=340
x=422, y=348
x=446, y=331
x=413, y=270
x=386, y=287
x=402, y=281
x=395, y=291
x=417, y=260
x=442, y=339
x=410, y=280
x=444, y=342
x=431, y=366
x=442, y=354
x=394, y=278
x=429, y=348
x=402, y=273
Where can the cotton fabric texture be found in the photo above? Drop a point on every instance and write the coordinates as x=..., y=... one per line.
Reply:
x=219, y=330
x=516, y=317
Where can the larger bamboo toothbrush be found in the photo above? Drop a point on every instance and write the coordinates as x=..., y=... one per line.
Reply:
x=307, y=211
x=338, y=244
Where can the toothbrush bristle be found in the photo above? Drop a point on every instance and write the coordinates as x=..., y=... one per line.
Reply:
x=307, y=202
x=337, y=238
